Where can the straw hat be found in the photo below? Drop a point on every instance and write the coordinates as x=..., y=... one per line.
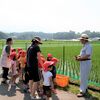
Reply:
x=84, y=37
x=38, y=39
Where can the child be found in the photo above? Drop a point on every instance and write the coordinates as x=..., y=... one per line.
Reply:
x=53, y=71
x=19, y=51
x=5, y=61
x=13, y=50
x=39, y=89
x=39, y=65
x=22, y=62
x=26, y=79
x=47, y=79
x=13, y=68
x=49, y=57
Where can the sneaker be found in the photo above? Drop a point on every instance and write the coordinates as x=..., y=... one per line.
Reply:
x=13, y=84
x=4, y=82
x=32, y=97
x=54, y=91
x=81, y=94
x=38, y=97
x=25, y=90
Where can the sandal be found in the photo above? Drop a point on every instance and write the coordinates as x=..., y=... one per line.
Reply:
x=81, y=94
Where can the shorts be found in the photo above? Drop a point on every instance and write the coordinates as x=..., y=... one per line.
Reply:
x=5, y=72
x=47, y=91
x=34, y=74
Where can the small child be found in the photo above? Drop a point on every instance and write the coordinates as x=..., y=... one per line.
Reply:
x=53, y=71
x=13, y=68
x=26, y=79
x=49, y=57
x=39, y=89
x=19, y=51
x=22, y=62
x=13, y=50
x=39, y=65
x=47, y=79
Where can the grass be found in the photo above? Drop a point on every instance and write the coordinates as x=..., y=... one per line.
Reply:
x=75, y=89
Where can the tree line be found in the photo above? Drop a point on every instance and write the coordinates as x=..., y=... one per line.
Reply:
x=58, y=35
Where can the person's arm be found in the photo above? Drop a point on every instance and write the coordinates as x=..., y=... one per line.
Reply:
x=80, y=58
x=87, y=56
x=7, y=49
x=39, y=59
x=11, y=66
x=51, y=82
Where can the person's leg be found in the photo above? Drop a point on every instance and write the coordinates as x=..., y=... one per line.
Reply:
x=34, y=88
x=5, y=73
x=84, y=73
x=25, y=83
x=30, y=86
x=84, y=76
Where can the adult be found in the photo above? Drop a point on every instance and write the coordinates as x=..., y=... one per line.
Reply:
x=85, y=64
x=33, y=58
x=5, y=61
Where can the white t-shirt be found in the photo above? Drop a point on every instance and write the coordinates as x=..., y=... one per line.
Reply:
x=46, y=77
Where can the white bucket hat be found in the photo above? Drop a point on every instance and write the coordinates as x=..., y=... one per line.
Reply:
x=84, y=37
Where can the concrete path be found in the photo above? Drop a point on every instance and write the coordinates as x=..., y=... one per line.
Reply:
x=15, y=93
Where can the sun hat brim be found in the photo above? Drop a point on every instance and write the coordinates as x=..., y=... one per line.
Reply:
x=83, y=38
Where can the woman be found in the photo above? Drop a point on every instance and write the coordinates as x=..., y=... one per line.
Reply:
x=5, y=59
x=33, y=58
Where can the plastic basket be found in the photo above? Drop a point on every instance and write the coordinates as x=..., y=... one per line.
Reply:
x=62, y=80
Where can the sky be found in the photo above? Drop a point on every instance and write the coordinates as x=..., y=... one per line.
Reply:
x=49, y=15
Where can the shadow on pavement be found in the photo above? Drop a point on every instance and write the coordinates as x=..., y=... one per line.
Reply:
x=55, y=97
x=4, y=90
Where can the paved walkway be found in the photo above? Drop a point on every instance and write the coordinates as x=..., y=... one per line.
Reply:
x=15, y=93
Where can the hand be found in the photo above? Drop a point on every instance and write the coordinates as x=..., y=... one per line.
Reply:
x=75, y=57
x=78, y=58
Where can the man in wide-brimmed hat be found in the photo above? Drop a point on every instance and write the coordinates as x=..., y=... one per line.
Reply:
x=85, y=64
x=33, y=58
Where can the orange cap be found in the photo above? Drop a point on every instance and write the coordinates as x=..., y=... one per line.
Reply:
x=23, y=53
x=19, y=49
x=54, y=60
x=12, y=55
x=47, y=64
x=49, y=55
x=13, y=50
